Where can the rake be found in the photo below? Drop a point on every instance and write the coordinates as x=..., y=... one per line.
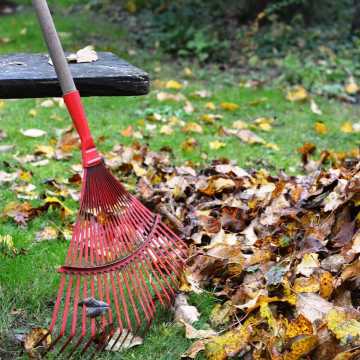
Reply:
x=123, y=262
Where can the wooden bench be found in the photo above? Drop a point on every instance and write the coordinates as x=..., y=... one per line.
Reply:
x=31, y=76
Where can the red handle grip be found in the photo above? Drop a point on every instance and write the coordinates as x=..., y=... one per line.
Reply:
x=76, y=110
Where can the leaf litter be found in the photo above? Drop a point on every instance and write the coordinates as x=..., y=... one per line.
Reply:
x=280, y=253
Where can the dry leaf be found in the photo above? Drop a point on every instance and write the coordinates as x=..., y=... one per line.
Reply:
x=86, y=55
x=173, y=84
x=247, y=136
x=351, y=87
x=229, y=106
x=47, y=233
x=185, y=312
x=320, y=128
x=315, y=108
x=33, y=133
x=297, y=93
x=31, y=343
x=163, y=96
x=347, y=127
x=192, y=333
x=122, y=340
x=192, y=127
x=216, y=144
x=308, y=264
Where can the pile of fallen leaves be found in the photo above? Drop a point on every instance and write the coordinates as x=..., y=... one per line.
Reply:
x=281, y=254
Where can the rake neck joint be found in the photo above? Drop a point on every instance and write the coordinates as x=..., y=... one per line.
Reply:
x=75, y=107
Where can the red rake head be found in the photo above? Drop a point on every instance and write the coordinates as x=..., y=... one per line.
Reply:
x=122, y=262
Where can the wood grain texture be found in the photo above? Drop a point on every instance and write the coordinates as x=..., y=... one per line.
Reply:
x=31, y=76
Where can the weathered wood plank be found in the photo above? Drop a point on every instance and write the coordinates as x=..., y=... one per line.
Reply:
x=31, y=76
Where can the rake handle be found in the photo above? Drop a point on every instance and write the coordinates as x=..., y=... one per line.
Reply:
x=70, y=93
x=54, y=45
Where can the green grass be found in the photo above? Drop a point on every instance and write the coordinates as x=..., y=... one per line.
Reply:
x=28, y=281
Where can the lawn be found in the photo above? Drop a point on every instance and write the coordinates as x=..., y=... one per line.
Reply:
x=28, y=281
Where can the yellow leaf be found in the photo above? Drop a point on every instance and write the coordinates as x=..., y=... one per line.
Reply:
x=227, y=344
x=320, y=128
x=221, y=313
x=2, y=104
x=138, y=170
x=46, y=150
x=32, y=340
x=192, y=127
x=326, y=285
x=301, y=346
x=264, y=123
x=131, y=6
x=229, y=106
x=239, y=124
x=7, y=245
x=297, y=93
x=210, y=105
x=303, y=284
x=173, y=84
x=164, y=96
x=351, y=87
x=343, y=328
x=210, y=118
x=189, y=144
x=267, y=314
x=188, y=72
x=272, y=146
x=32, y=113
x=347, y=127
x=300, y=326
x=308, y=264
x=215, y=145
x=51, y=200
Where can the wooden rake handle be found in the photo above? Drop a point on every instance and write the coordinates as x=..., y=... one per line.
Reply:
x=70, y=94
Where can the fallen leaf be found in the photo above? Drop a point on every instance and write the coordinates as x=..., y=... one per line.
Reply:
x=347, y=127
x=33, y=133
x=192, y=127
x=163, y=96
x=299, y=326
x=229, y=106
x=192, y=333
x=351, y=86
x=194, y=349
x=315, y=108
x=297, y=93
x=47, y=103
x=326, y=285
x=185, y=312
x=7, y=246
x=216, y=144
x=173, y=84
x=32, y=345
x=86, y=55
x=345, y=329
x=308, y=264
x=301, y=346
x=47, y=233
x=247, y=136
x=313, y=306
x=166, y=130
x=320, y=128
x=127, y=132
x=264, y=123
x=210, y=106
x=122, y=340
